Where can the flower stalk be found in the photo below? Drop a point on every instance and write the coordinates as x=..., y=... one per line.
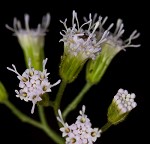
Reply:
x=72, y=106
x=43, y=126
x=3, y=93
x=59, y=96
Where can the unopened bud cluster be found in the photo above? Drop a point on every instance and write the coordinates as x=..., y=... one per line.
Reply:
x=121, y=105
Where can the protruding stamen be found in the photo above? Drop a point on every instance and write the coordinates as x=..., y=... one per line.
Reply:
x=26, y=18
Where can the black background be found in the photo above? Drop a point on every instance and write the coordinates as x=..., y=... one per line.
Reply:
x=128, y=69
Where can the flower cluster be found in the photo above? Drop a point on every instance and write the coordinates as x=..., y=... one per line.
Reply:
x=124, y=101
x=30, y=37
x=78, y=41
x=79, y=132
x=33, y=84
x=115, y=40
x=89, y=42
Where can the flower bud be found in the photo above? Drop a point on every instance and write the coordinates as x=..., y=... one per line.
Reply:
x=121, y=105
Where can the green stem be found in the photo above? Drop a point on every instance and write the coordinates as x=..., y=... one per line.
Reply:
x=21, y=116
x=24, y=118
x=77, y=99
x=42, y=115
x=53, y=135
x=106, y=126
x=47, y=129
x=59, y=96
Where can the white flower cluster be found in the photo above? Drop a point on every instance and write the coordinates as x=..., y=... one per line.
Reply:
x=79, y=132
x=114, y=38
x=33, y=84
x=78, y=41
x=30, y=37
x=39, y=31
x=124, y=101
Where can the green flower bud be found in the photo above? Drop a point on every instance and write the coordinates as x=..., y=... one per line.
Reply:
x=3, y=93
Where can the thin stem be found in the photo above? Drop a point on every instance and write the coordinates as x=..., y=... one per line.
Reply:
x=24, y=118
x=47, y=129
x=59, y=96
x=53, y=135
x=77, y=99
x=21, y=116
x=42, y=115
x=106, y=126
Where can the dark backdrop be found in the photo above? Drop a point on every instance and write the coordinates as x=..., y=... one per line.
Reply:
x=128, y=69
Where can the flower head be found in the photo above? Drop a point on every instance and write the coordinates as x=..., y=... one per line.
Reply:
x=124, y=101
x=79, y=45
x=31, y=40
x=80, y=42
x=79, y=132
x=121, y=105
x=33, y=83
x=112, y=45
